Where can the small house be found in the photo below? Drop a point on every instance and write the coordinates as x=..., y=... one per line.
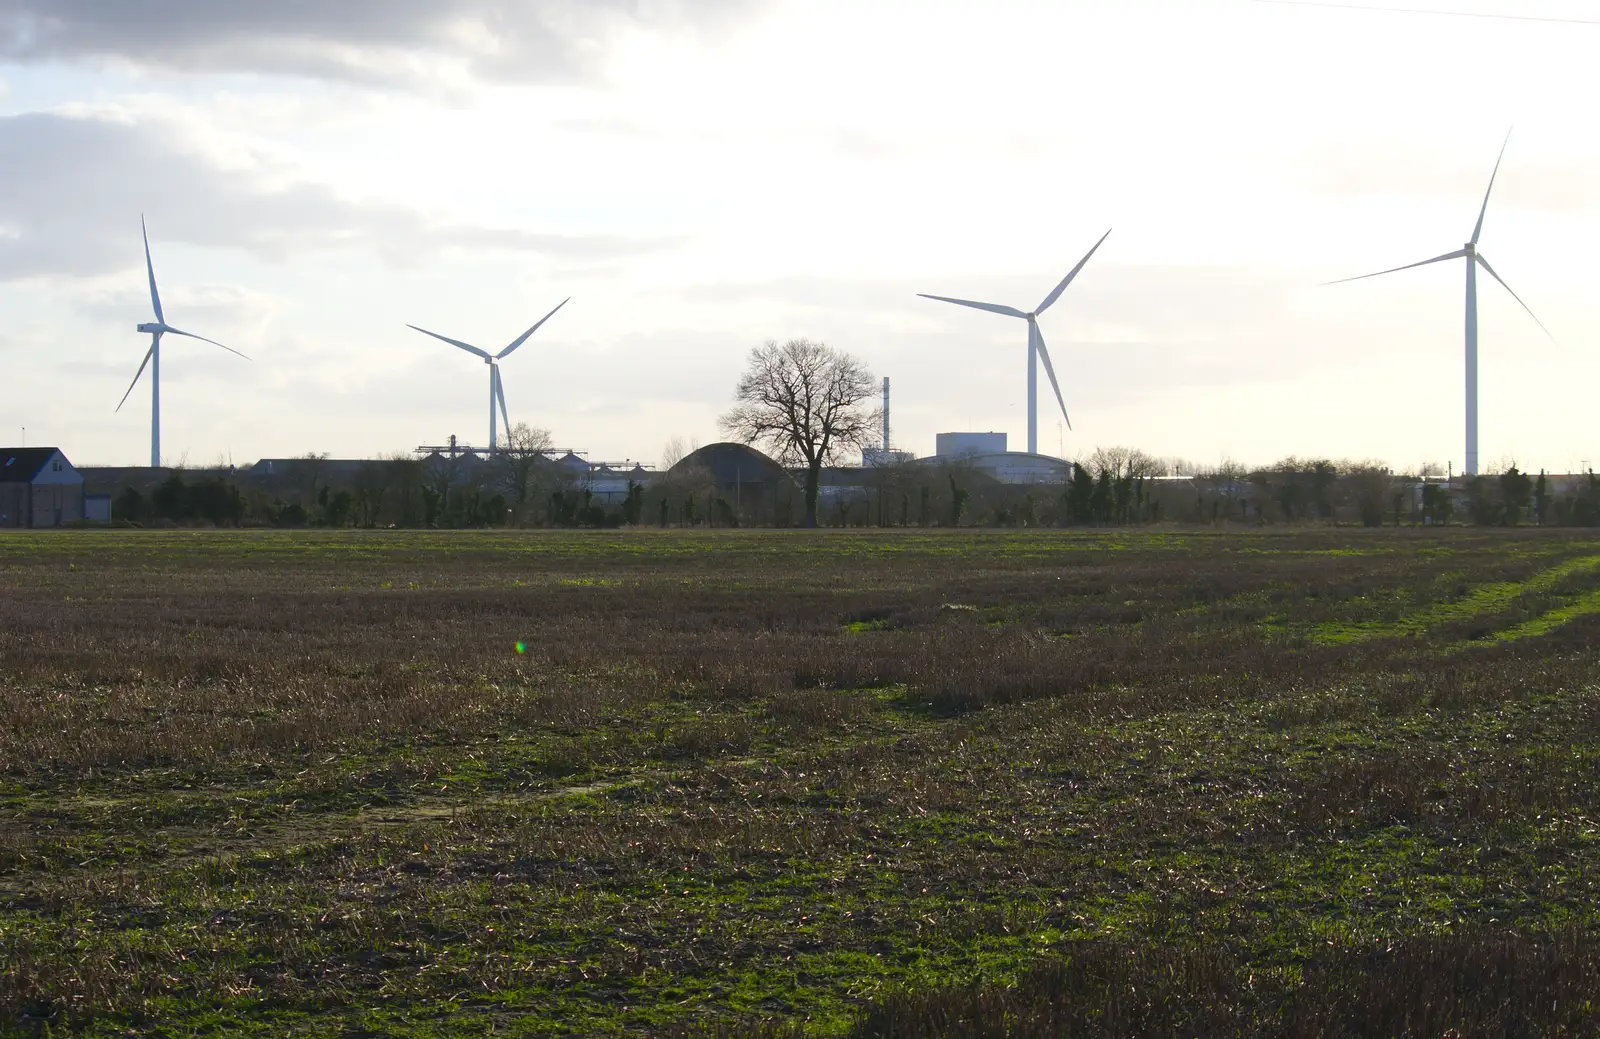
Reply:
x=38, y=488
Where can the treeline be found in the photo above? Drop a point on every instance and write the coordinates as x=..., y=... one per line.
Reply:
x=1510, y=497
x=394, y=492
x=1113, y=487
x=1122, y=487
x=214, y=501
x=1368, y=493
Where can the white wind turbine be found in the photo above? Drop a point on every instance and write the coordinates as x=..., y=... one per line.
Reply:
x=1474, y=259
x=497, y=396
x=152, y=357
x=1036, y=347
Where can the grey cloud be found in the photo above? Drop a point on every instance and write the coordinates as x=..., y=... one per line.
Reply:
x=72, y=189
x=367, y=40
x=203, y=306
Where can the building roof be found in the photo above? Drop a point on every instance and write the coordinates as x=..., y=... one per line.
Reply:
x=324, y=466
x=1008, y=467
x=733, y=465
x=22, y=464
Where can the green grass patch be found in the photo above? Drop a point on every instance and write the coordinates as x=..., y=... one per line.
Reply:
x=1485, y=600
x=1585, y=605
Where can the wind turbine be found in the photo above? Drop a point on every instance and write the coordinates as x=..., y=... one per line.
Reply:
x=1474, y=259
x=497, y=396
x=152, y=357
x=1036, y=347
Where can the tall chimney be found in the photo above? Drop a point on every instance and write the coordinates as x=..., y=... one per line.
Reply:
x=886, y=414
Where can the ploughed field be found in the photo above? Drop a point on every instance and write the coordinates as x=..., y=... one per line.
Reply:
x=1316, y=782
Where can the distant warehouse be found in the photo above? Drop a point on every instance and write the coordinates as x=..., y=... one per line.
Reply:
x=40, y=488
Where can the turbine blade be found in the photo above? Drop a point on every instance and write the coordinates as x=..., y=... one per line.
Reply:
x=150, y=268
x=993, y=308
x=147, y=355
x=1049, y=369
x=1478, y=230
x=500, y=395
x=1059, y=289
x=203, y=339
x=1422, y=263
x=1485, y=264
x=454, y=342
x=523, y=338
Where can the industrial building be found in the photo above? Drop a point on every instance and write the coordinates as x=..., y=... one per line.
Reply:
x=39, y=488
x=986, y=452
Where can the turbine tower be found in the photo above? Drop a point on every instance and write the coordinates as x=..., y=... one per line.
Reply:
x=1474, y=258
x=152, y=357
x=1036, y=347
x=497, y=395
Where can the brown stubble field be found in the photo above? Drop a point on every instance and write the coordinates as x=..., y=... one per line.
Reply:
x=1285, y=782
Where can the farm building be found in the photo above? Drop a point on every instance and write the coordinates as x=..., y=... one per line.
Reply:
x=38, y=488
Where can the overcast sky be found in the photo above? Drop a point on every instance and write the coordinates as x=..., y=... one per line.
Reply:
x=703, y=175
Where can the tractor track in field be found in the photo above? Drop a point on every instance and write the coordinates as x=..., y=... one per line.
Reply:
x=191, y=844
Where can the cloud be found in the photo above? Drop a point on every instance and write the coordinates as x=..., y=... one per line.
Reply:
x=363, y=40
x=1197, y=303
x=71, y=188
x=1553, y=184
x=1121, y=334
x=201, y=307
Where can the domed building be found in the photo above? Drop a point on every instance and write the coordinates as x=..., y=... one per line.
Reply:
x=755, y=487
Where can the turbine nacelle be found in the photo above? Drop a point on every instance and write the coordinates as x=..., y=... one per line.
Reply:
x=152, y=360
x=1037, y=351
x=497, y=393
x=1475, y=259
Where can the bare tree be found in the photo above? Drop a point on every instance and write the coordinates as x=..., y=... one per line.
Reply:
x=307, y=475
x=1177, y=466
x=408, y=482
x=1370, y=484
x=518, y=465
x=1228, y=481
x=676, y=450
x=1503, y=464
x=1123, y=461
x=806, y=401
x=1230, y=471
x=370, y=486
